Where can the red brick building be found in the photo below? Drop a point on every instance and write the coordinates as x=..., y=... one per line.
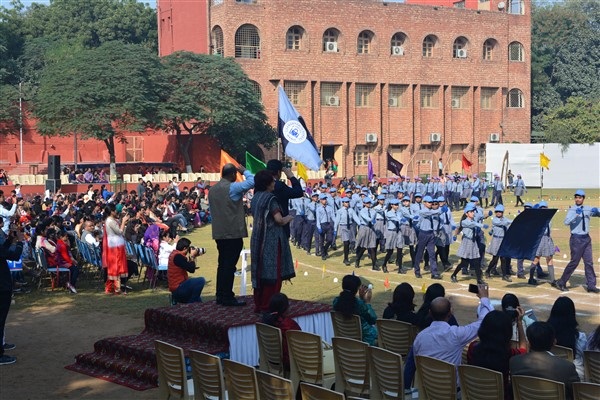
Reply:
x=421, y=81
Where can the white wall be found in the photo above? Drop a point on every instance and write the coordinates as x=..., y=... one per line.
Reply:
x=577, y=167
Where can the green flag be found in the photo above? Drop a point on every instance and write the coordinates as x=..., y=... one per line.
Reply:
x=253, y=164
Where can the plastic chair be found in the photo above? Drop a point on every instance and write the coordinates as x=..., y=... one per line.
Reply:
x=207, y=374
x=562, y=352
x=274, y=387
x=591, y=365
x=240, y=380
x=396, y=336
x=53, y=272
x=151, y=261
x=172, y=377
x=313, y=392
x=586, y=391
x=306, y=360
x=437, y=378
x=386, y=374
x=532, y=388
x=477, y=383
x=346, y=327
x=352, y=375
x=270, y=351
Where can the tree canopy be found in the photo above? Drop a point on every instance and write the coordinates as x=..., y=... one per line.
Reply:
x=81, y=94
x=578, y=121
x=212, y=94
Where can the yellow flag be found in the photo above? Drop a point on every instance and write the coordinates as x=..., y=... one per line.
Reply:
x=302, y=171
x=225, y=159
x=544, y=161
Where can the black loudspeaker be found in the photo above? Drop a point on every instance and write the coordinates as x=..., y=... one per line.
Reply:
x=52, y=185
x=54, y=167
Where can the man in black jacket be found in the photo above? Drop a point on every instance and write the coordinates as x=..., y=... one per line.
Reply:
x=282, y=191
x=10, y=249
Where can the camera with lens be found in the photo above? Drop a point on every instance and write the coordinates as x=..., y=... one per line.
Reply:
x=201, y=250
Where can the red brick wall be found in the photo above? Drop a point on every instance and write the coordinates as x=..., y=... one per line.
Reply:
x=347, y=125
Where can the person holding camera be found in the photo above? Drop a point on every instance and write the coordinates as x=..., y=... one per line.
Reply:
x=181, y=261
x=10, y=249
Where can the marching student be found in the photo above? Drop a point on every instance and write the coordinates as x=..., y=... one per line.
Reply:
x=380, y=223
x=499, y=226
x=345, y=220
x=428, y=221
x=366, y=238
x=444, y=237
x=469, y=247
x=310, y=224
x=580, y=243
x=520, y=188
x=545, y=249
x=409, y=236
x=325, y=218
x=393, y=236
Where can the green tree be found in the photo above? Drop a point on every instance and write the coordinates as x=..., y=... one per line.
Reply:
x=101, y=93
x=575, y=122
x=212, y=94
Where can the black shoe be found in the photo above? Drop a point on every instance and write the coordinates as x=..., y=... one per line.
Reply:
x=231, y=302
x=385, y=270
x=506, y=278
x=520, y=276
x=542, y=275
x=453, y=279
x=401, y=271
x=488, y=275
x=495, y=272
x=418, y=275
x=6, y=360
x=436, y=276
x=532, y=282
x=346, y=262
x=448, y=267
x=357, y=264
x=589, y=290
x=9, y=346
x=560, y=286
x=324, y=257
x=480, y=282
x=465, y=272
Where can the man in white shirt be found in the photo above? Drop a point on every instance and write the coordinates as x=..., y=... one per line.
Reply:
x=6, y=213
x=87, y=235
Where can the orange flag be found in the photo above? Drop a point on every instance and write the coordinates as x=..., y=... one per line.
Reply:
x=226, y=158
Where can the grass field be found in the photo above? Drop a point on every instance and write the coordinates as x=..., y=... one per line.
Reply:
x=318, y=280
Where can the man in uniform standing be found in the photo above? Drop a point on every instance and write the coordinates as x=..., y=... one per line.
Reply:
x=229, y=227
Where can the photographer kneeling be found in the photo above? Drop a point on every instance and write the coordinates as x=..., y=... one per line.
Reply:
x=181, y=261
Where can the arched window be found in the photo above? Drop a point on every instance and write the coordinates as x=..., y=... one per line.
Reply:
x=294, y=38
x=515, y=99
x=516, y=52
x=489, y=47
x=428, y=45
x=256, y=89
x=397, y=47
x=365, y=40
x=330, y=40
x=247, y=42
x=459, y=48
x=217, y=40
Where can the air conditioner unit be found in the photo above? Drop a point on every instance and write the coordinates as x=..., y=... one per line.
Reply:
x=333, y=101
x=393, y=102
x=455, y=103
x=331, y=47
x=461, y=53
x=435, y=137
x=397, y=50
x=371, y=138
x=494, y=137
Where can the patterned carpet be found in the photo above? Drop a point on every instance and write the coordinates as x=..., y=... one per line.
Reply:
x=130, y=360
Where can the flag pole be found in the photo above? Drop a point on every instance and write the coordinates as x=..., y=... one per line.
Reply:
x=542, y=183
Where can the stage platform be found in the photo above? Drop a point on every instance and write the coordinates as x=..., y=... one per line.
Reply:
x=225, y=331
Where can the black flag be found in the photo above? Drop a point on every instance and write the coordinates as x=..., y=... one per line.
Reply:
x=394, y=165
x=525, y=233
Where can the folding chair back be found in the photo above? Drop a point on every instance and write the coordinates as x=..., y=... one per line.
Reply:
x=274, y=387
x=591, y=365
x=562, y=352
x=352, y=376
x=396, y=336
x=478, y=383
x=306, y=359
x=207, y=373
x=313, y=392
x=240, y=380
x=172, y=378
x=386, y=374
x=270, y=352
x=532, y=388
x=346, y=327
x=586, y=391
x=437, y=378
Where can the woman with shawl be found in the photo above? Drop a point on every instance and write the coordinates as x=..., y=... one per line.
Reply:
x=114, y=257
x=269, y=246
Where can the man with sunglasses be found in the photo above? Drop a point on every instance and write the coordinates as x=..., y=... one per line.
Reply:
x=580, y=243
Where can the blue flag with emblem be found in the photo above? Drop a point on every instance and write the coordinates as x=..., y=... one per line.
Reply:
x=295, y=138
